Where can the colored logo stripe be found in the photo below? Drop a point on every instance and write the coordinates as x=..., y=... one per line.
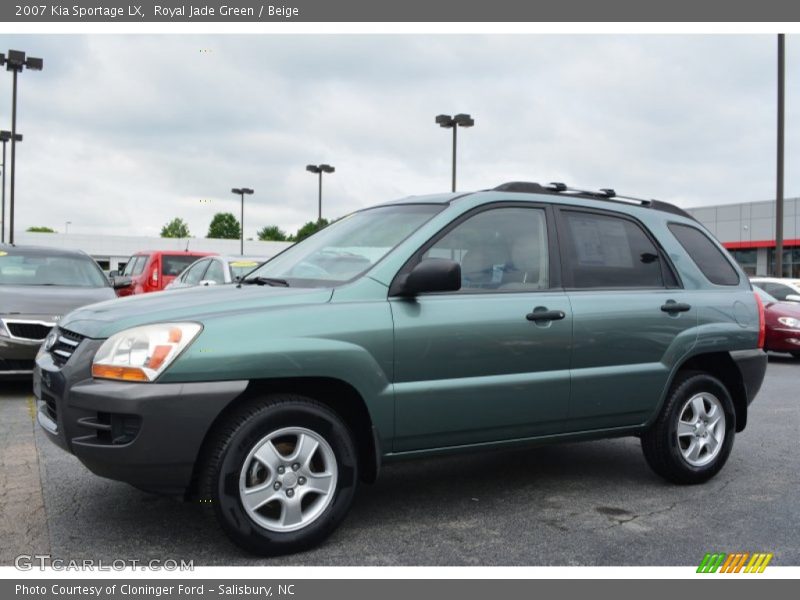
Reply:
x=735, y=562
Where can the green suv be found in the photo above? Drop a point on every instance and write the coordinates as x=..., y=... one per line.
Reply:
x=525, y=314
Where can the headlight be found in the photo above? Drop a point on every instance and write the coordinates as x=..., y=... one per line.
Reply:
x=789, y=322
x=142, y=353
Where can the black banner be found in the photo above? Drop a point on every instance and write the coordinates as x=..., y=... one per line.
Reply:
x=416, y=589
x=254, y=11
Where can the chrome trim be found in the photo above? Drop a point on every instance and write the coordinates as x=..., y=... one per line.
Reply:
x=44, y=419
x=26, y=322
x=68, y=341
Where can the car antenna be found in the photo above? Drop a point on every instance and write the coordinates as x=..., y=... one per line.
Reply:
x=187, y=244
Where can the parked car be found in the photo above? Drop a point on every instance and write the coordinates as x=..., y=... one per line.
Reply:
x=37, y=287
x=525, y=314
x=215, y=270
x=783, y=324
x=782, y=289
x=152, y=271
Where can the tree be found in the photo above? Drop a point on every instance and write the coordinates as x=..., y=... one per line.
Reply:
x=310, y=228
x=40, y=230
x=272, y=233
x=177, y=228
x=224, y=226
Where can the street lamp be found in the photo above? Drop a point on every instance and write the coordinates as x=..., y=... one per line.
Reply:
x=320, y=169
x=241, y=192
x=448, y=122
x=5, y=136
x=15, y=61
x=66, y=227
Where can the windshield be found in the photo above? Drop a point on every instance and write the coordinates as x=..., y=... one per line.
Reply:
x=348, y=247
x=174, y=264
x=240, y=268
x=18, y=267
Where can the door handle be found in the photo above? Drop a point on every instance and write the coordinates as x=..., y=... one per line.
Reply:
x=675, y=307
x=540, y=313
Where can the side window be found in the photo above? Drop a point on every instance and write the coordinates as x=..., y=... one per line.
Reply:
x=215, y=272
x=195, y=273
x=778, y=290
x=604, y=251
x=501, y=249
x=705, y=254
x=138, y=266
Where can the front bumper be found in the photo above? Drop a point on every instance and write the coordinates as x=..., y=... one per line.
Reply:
x=145, y=434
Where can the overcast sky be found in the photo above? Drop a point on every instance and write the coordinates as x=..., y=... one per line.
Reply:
x=122, y=133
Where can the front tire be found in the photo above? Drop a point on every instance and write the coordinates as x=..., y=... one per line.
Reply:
x=281, y=474
x=693, y=436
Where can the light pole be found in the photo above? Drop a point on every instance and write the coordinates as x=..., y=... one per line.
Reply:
x=66, y=227
x=15, y=62
x=780, y=158
x=241, y=192
x=448, y=122
x=5, y=136
x=320, y=169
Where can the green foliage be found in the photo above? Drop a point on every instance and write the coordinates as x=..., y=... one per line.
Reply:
x=177, y=228
x=40, y=230
x=272, y=233
x=310, y=228
x=224, y=226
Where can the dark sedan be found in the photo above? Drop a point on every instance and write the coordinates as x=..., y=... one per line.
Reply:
x=783, y=324
x=37, y=287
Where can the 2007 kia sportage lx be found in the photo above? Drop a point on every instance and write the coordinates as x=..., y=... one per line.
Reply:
x=522, y=314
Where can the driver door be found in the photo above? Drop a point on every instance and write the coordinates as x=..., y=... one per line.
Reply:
x=472, y=366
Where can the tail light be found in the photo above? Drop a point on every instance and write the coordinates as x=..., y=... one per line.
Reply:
x=762, y=326
x=154, y=276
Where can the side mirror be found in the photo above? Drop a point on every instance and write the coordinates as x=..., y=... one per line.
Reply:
x=207, y=282
x=432, y=275
x=793, y=298
x=113, y=274
x=121, y=282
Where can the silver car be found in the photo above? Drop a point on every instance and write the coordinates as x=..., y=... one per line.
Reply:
x=37, y=287
x=215, y=270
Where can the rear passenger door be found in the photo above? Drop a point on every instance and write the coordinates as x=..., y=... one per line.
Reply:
x=631, y=318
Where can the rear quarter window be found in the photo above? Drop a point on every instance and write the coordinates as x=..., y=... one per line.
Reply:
x=706, y=254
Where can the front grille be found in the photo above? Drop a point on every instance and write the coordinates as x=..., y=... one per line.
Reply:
x=65, y=344
x=27, y=330
x=10, y=364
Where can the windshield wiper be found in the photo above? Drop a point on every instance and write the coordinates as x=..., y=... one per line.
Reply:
x=272, y=281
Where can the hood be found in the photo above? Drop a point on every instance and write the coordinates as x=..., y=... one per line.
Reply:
x=784, y=309
x=191, y=304
x=53, y=300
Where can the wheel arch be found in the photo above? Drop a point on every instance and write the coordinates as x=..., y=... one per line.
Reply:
x=722, y=366
x=336, y=394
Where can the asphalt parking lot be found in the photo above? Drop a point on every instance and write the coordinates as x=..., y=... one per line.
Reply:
x=594, y=503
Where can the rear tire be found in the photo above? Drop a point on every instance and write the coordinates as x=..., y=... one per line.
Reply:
x=693, y=436
x=281, y=474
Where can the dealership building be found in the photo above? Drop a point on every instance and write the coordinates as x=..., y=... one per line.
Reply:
x=112, y=251
x=747, y=230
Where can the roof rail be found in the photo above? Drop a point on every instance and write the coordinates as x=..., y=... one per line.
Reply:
x=607, y=194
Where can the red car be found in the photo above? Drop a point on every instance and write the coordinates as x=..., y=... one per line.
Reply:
x=151, y=271
x=783, y=324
